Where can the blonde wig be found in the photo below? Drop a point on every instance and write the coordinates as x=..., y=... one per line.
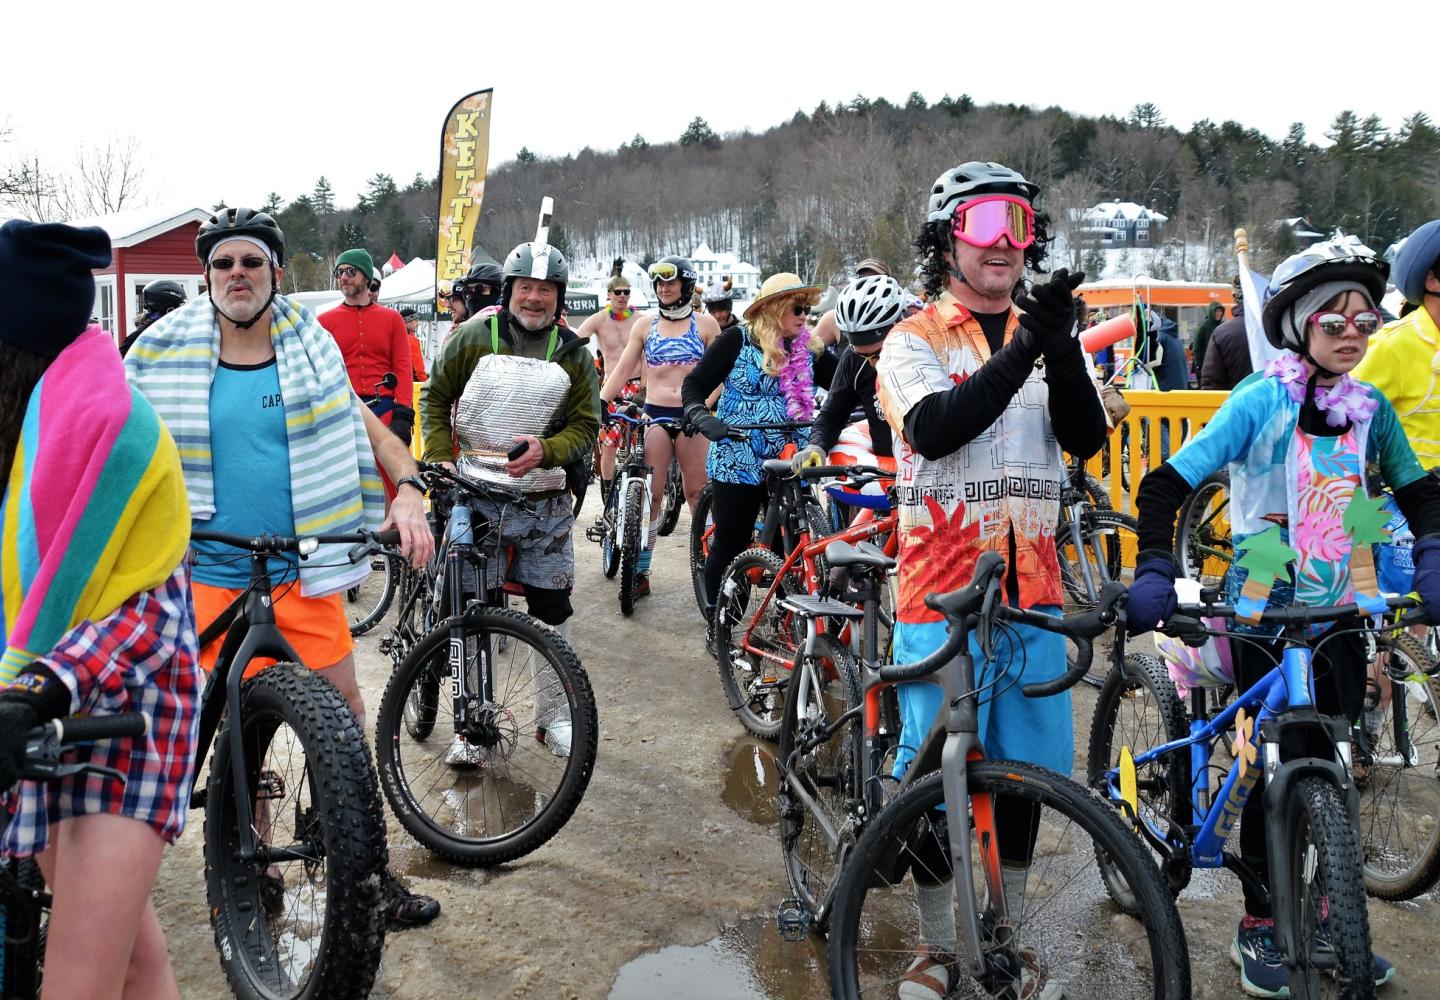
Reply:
x=764, y=327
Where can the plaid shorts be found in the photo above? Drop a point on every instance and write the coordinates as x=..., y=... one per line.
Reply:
x=141, y=659
x=610, y=433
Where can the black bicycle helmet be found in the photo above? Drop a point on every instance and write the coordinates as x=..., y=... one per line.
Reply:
x=971, y=180
x=227, y=223
x=669, y=269
x=162, y=296
x=535, y=260
x=868, y=307
x=1345, y=259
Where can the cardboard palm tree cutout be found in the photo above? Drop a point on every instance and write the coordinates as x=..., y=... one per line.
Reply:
x=1365, y=522
x=1265, y=556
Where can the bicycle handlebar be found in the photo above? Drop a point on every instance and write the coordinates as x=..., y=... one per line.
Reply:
x=980, y=599
x=44, y=743
x=302, y=544
x=1187, y=626
x=644, y=418
x=782, y=425
x=845, y=472
x=475, y=487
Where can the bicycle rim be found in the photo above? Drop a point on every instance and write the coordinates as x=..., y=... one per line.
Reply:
x=1203, y=548
x=1060, y=928
x=755, y=640
x=367, y=601
x=502, y=789
x=1397, y=769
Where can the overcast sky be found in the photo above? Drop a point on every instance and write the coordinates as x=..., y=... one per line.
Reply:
x=232, y=101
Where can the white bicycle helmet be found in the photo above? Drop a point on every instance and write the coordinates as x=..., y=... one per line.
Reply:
x=869, y=307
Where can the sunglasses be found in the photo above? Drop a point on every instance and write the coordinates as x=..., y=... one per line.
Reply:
x=799, y=310
x=1333, y=324
x=983, y=221
x=248, y=263
x=619, y=291
x=346, y=271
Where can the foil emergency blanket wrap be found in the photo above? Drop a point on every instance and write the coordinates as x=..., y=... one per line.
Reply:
x=505, y=396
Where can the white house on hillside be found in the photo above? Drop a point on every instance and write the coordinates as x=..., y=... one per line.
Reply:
x=744, y=278
x=1122, y=224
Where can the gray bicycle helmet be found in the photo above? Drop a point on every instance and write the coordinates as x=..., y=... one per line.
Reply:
x=536, y=260
x=971, y=180
x=1345, y=259
x=228, y=223
x=868, y=307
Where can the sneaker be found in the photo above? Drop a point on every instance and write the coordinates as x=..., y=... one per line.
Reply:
x=405, y=909
x=929, y=976
x=464, y=756
x=1384, y=969
x=556, y=737
x=1262, y=974
x=642, y=587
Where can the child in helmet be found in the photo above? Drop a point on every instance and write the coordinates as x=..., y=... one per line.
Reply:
x=1297, y=441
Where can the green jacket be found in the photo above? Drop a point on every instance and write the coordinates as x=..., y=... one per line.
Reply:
x=574, y=431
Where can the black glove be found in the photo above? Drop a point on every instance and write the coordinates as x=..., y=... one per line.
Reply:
x=36, y=696
x=402, y=422
x=706, y=422
x=1049, y=312
x=1152, y=596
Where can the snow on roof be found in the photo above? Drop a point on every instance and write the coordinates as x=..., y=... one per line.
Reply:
x=727, y=260
x=126, y=229
x=1127, y=210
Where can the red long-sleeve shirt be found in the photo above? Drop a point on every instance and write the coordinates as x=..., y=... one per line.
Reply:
x=373, y=340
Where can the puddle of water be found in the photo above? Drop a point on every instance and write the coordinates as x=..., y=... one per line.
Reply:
x=751, y=781
x=749, y=961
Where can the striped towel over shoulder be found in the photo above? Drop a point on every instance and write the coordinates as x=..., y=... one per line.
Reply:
x=334, y=484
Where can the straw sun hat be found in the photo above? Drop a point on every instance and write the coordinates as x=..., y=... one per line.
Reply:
x=780, y=284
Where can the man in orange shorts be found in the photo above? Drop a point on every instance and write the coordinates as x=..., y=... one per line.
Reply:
x=273, y=439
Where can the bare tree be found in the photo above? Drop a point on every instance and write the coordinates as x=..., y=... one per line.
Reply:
x=106, y=180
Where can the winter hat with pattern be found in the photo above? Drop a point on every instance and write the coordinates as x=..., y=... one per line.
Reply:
x=47, y=292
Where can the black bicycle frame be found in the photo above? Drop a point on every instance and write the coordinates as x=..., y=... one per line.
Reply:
x=249, y=627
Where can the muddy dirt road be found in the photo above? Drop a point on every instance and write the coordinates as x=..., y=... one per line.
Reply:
x=665, y=882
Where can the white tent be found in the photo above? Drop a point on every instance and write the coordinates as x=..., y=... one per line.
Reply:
x=415, y=282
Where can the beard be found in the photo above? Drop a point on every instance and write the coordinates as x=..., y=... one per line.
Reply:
x=243, y=311
x=529, y=325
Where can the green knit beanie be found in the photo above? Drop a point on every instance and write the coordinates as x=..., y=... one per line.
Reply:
x=360, y=260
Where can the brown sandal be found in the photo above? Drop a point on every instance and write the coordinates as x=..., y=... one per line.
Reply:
x=930, y=976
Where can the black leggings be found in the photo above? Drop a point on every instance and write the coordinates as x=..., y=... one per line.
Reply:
x=1339, y=670
x=735, y=508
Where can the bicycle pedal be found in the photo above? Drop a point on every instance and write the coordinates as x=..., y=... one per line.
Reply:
x=794, y=920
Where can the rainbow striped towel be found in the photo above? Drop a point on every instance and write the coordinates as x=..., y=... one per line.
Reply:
x=94, y=509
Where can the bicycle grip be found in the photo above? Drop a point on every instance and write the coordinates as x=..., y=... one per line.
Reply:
x=521, y=447
x=1084, y=653
x=390, y=536
x=88, y=729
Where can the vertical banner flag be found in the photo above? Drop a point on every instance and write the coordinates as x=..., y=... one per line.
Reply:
x=464, y=159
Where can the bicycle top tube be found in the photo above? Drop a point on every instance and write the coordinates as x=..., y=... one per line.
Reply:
x=980, y=600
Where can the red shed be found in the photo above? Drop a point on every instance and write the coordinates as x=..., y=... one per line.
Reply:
x=149, y=245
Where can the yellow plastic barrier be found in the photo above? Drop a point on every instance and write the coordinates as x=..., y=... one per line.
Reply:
x=1141, y=434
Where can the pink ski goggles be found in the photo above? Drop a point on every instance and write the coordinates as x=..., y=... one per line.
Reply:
x=983, y=221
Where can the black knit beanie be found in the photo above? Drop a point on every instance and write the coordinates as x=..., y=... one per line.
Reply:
x=47, y=293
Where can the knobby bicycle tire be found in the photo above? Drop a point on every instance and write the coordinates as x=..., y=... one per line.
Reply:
x=1138, y=707
x=23, y=925
x=674, y=499
x=828, y=772
x=1063, y=918
x=1325, y=871
x=1400, y=792
x=1203, y=549
x=701, y=527
x=753, y=684
x=367, y=602
x=319, y=785
x=609, y=544
x=459, y=813
x=632, y=544
x=817, y=526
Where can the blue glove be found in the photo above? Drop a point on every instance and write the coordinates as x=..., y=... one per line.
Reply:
x=1427, y=574
x=1152, y=595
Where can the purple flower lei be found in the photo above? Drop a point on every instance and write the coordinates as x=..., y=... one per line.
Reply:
x=795, y=378
x=1347, y=401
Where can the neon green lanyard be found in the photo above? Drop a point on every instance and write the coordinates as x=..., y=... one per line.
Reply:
x=495, y=337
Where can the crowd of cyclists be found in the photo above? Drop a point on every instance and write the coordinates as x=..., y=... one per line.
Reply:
x=234, y=412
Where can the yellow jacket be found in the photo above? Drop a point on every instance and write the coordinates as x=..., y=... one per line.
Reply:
x=1403, y=362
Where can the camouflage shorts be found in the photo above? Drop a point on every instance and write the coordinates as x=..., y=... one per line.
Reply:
x=534, y=548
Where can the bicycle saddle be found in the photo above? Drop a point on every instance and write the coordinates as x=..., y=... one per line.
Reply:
x=844, y=554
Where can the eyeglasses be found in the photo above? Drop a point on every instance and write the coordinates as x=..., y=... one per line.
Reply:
x=248, y=263
x=619, y=291
x=1333, y=324
x=983, y=221
x=799, y=310
x=346, y=271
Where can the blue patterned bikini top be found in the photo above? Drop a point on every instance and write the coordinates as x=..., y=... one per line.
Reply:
x=685, y=349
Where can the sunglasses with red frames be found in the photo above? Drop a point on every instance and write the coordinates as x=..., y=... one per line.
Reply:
x=983, y=221
x=1333, y=324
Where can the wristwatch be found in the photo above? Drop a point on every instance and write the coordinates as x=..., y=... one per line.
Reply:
x=414, y=481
